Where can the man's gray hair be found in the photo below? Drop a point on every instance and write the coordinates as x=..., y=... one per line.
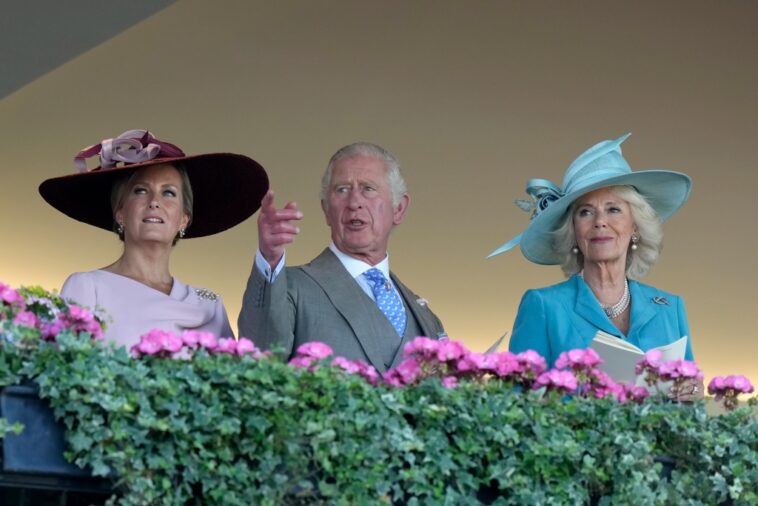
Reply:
x=394, y=177
x=648, y=227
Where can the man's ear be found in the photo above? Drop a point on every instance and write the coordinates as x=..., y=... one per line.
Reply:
x=325, y=208
x=399, y=212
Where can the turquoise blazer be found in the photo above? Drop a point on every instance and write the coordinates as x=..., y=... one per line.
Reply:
x=565, y=316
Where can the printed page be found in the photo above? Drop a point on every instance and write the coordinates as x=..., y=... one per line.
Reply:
x=620, y=357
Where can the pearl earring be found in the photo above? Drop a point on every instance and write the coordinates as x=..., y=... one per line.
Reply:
x=120, y=229
x=635, y=240
x=181, y=233
x=575, y=250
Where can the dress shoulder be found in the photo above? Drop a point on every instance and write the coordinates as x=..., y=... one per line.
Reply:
x=81, y=277
x=568, y=285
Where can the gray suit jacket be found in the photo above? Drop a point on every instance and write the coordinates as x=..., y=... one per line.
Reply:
x=320, y=301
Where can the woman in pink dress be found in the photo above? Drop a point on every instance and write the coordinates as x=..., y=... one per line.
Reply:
x=152, y=195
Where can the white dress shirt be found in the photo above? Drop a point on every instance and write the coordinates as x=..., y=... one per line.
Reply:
x=354, y=267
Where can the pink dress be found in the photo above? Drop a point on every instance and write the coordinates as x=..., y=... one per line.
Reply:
x=135, y=308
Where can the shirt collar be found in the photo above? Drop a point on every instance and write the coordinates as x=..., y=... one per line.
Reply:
x=357, y=267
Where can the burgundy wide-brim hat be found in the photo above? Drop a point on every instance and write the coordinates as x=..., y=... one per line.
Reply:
x=227, y=187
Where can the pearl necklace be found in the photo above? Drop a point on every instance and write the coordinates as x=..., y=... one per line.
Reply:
x=616, y=309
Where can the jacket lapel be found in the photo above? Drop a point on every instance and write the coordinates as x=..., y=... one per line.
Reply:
x=421, y=313
x=352, y=303
x=643, y=310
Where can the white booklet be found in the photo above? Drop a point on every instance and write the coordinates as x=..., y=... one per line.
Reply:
x=620, y=357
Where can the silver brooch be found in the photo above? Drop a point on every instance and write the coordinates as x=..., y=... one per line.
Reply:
x=661, y=300
x=204, y=293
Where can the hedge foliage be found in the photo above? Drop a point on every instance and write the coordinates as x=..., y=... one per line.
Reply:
x=223, y=429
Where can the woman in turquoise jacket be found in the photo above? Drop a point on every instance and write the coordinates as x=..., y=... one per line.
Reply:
x=604, y=228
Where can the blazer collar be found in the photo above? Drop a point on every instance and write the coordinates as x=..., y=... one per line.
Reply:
x=642, y=309
x=422, y=314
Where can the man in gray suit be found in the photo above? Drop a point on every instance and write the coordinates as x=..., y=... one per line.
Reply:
x=346, y=297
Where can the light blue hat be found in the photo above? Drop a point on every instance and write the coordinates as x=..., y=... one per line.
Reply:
x=600, y=166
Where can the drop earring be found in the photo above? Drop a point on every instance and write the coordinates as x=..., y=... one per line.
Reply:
x=575, y=250
x=120, y=229
x=635, y=240
x=181, y=233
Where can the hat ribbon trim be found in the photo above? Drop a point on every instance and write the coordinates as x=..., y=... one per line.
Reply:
x=543, y=193
x=132, y=146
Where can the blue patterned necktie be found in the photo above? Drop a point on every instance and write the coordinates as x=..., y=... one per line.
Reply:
x=387, y=299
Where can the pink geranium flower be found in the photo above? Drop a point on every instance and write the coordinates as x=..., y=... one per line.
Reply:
x=393, y=378
x=347, y=365
x=491, y=361
x=80, y=319
x=191, y=338
x=674, y=369
x=449, y=382
x=409, y=371
x=472, y=362
x=688, y=369
x=600, y=385
x=422, y=346
x=150, y=343
x=554, y=379
x=650, y=362
x=10, y=297
x=632, y=393
x=719, y=385
x=226, y=345
x=578, y=359
x=739, y=383
x=207, y=340
x=532, y=360
x=245, y=346
x=368, y=372
x=158, y=342
x=450, y=350
x=173, y=343
x=506, y=364
x=315, y=349
x=716, y=385
x=727, y=389
x=52, y=329
x=358, y=367
x=26, y=319
x=302, y=361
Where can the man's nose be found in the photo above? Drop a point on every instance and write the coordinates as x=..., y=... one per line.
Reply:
x=355, y=200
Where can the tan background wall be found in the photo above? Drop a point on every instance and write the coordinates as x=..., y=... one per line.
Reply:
x=473, y=97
